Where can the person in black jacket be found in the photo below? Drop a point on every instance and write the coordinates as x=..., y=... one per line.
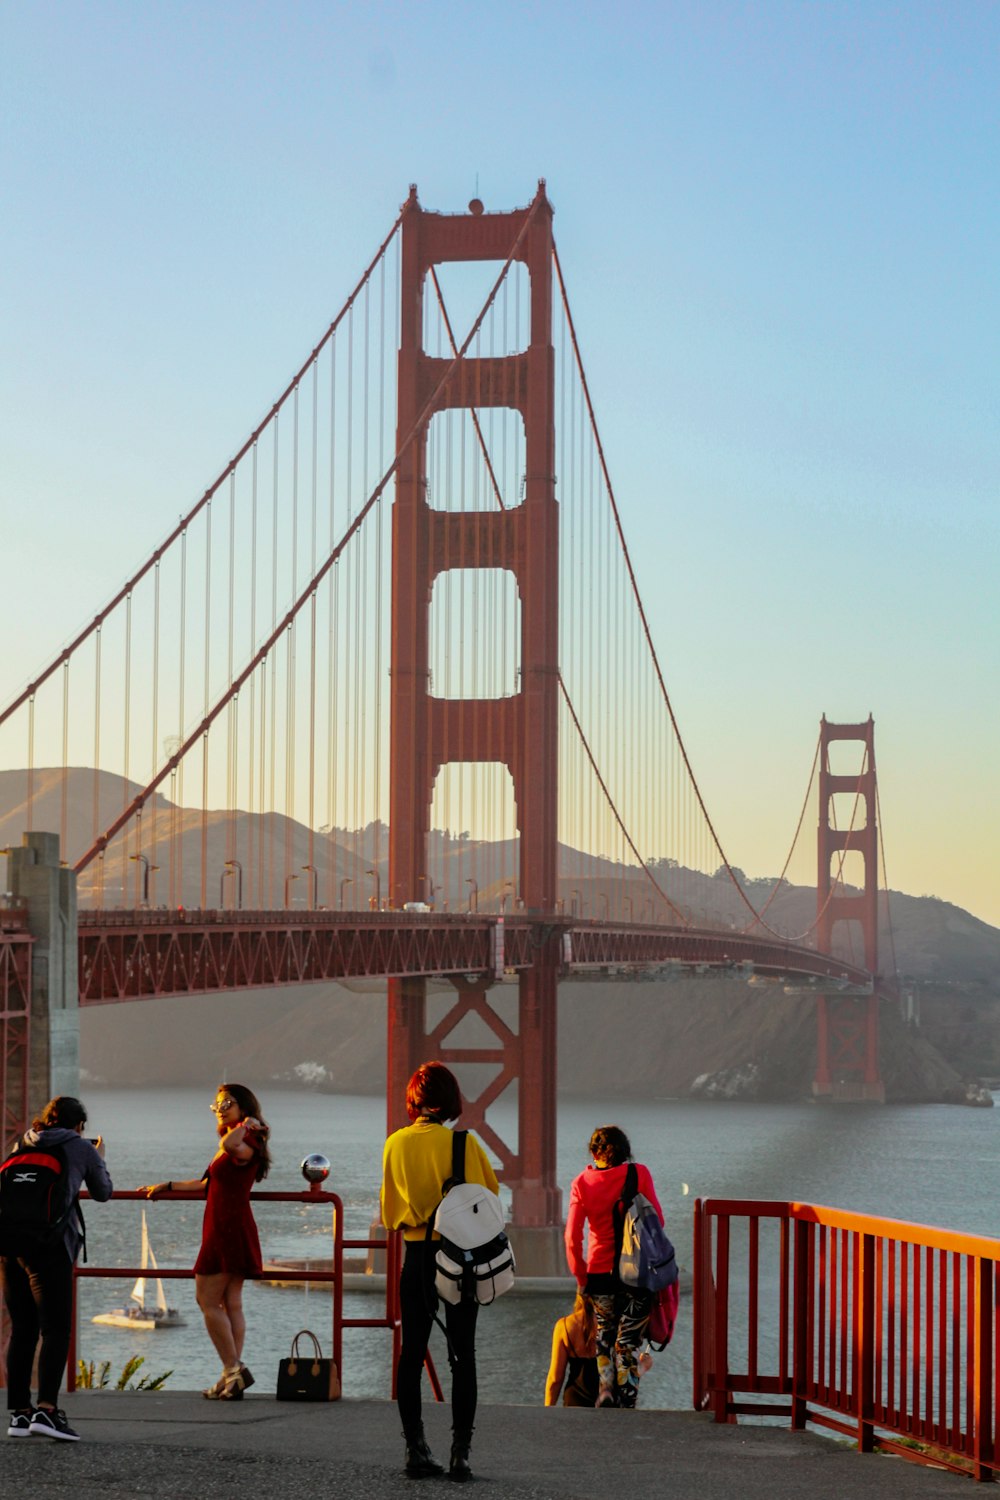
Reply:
x=38, y=1286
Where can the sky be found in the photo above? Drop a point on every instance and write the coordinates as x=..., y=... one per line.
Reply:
x=780, y=228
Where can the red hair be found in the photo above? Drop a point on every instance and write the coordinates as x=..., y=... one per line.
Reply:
x=433, y=1090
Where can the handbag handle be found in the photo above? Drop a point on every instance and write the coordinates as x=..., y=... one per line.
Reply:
x=306, y=1333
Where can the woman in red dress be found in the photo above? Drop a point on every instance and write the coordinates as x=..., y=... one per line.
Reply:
x=230, y=1249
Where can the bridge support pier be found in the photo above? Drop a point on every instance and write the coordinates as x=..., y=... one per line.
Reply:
x=847, y=1061
x=524, y=1059
x=42, y=884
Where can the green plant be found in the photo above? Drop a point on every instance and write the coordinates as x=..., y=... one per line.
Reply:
x=91, y=1377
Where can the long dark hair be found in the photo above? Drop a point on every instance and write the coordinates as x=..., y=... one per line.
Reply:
x=64, y=1111
x=247, y=1103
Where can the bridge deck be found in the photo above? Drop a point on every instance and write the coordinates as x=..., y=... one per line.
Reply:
x=131, y=954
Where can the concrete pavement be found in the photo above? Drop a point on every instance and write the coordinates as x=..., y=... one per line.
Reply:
x=166, y=1446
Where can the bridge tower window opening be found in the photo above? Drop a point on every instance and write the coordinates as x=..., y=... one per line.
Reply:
x=464, y=286
x=474, y=834
x=475, y=634
x=848, y=810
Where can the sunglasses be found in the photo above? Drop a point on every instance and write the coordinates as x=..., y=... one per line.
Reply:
x=221, y=1105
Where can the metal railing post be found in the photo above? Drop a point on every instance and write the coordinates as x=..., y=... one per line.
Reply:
x=720, y=1391
x=864, y=1339
x=802, y=1244
x=982, y=1368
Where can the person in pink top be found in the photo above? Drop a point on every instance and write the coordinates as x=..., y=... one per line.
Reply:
x=622, y=1312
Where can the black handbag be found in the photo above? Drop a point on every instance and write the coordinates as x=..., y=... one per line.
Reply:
x=312, y=1378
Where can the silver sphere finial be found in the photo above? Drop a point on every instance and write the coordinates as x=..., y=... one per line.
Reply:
x=315, y=1168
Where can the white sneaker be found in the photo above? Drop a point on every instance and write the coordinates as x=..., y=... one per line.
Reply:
x=52, y=1424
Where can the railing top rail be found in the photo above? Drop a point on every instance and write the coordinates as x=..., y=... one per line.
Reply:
x=926, y=1235
x=314, y=1194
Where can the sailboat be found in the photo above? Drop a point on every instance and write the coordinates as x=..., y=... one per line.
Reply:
x=141, y=1313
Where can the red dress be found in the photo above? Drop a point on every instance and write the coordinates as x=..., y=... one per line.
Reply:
x=229, y=1235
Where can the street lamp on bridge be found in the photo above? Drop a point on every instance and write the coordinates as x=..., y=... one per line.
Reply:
x=315, y=884
x=146, y=867
x=509, y=889
x=378, y=888
x=345, y=882
x=231, y=865
x=576, y=908
x=288, y=881
x=473, y=894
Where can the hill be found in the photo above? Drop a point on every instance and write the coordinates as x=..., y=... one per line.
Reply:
x=947, y=960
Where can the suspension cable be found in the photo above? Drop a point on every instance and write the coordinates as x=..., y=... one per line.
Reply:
x=185, y=521
x=100, y=843
x=638, y=599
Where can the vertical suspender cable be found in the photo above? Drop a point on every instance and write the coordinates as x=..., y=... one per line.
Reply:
x=332, y=722
x=313, y=878
x=362, y=769
x=31, y=761
x=271, y=900
x=252, y=820
x=155, y=712
x=64, y=789
x=232, y=740
x=127, y=703
x=97, y=732
x=203, y=892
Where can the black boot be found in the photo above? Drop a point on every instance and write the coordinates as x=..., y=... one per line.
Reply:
x=420, y=1461
x=459, y=1469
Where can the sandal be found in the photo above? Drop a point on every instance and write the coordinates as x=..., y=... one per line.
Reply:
x=215, y=1391
x=234, y=1383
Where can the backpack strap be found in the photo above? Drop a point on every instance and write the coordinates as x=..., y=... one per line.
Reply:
x=629, y=1190
x=459, y=1139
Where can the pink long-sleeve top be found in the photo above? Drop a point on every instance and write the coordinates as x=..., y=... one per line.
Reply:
x=592, y=1200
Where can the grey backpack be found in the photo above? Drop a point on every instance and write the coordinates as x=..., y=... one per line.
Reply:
x=646, y=1258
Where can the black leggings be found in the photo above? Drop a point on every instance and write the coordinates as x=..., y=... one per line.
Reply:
x=416, y=1297
x=39, y=1298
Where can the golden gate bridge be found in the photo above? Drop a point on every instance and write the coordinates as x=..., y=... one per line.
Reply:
x=401, y=635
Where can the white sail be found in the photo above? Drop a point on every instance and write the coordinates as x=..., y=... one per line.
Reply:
x=138, y=1293
x=138, y=1314
x=161, y=1301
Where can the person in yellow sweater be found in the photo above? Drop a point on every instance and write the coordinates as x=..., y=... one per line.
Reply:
x=416, y=1164
x=574, y=1346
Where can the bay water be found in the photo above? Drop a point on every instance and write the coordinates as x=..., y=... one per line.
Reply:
x=932, y=1164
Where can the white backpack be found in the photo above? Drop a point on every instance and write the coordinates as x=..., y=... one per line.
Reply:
x=473, y=1260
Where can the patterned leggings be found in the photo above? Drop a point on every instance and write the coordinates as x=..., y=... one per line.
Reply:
x=622, y=1318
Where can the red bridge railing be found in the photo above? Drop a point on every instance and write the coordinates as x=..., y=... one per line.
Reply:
x=888, y=1332
x=333, y=1277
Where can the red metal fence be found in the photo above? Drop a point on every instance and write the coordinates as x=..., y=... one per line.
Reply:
x=882, y=1330
x=333, y=1277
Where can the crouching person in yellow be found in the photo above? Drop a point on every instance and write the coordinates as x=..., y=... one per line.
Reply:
x=415, y=1166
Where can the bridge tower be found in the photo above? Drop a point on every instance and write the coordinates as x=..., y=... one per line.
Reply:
x=519, y=731
x=847, y=1055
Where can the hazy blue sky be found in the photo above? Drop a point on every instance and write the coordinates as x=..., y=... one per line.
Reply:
x=779, y=224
